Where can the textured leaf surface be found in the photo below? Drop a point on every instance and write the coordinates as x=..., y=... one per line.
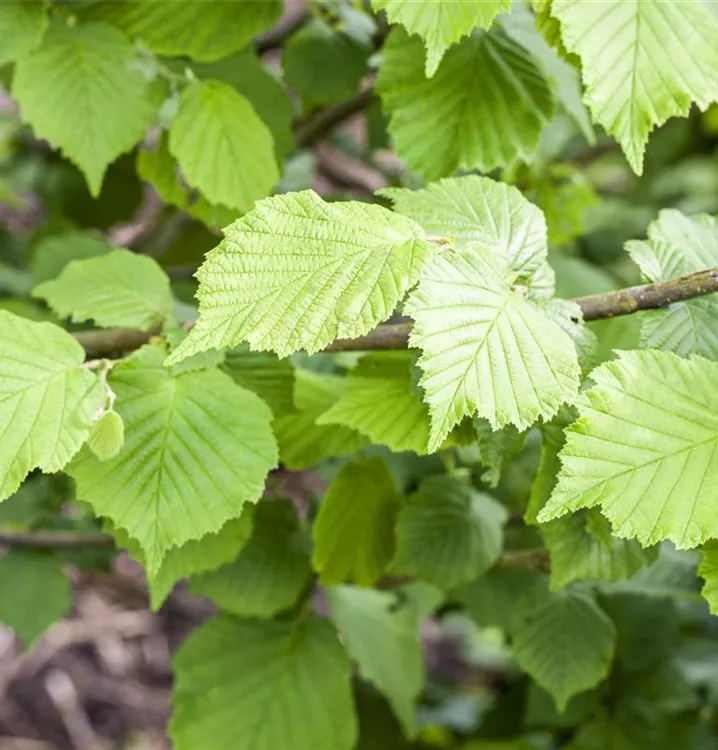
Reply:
x=22, y=27
x=380, y=401
x=479, y=211
x=433, y=129
x=302, y=441
x=487, y=349
x=53, y=253
x=286, y=684
x=323, y=64
x=34, y=593
x=646, y=459
x=441, y=24
x=271, y=378
x=120, y=288
x=678, y=245
x=271, y=570
x=448, y=533
x=354, y=530
x=297, y=273
x=564, y=641
x=223, y=147
x=661, y=57
x=494, y=447
x=197, y=448
x=583, y=548
x=201, y=29
x=47, y=400
x=83, y=92
x=708, y=571
x=382, y=636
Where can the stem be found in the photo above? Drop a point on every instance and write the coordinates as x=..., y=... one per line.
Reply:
x=317, y=125
x=56, y=539
x=396, y=335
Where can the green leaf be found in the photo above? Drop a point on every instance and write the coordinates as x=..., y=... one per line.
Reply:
x=564, y=641
x=201, y=29
x=196, y=556
x=603, y=734
x=433, y=129
x=223, y=147
x=22, y=27
x=583, y=548
x=708, y=571
x=83, y=91
x=197, y=449
x=473, y=210
x=107, y=436
x=678, y=245
x=521, y=25
x=285, y=684
x=382, y=636
x=34, y=593
x=271, y=570
x=645, y=459
x=302, y=441
x=354, y=530
x=441, y=24
x=47, y=399
x=271, y=378
x=297, y=273
x=659, y=58
x=380, y=401
x=159, y=169
x=448, y=533
x=494, y=447
x=246, y=73
x=487, y=349
x=324, y=65
x=119, y=288
x=53, y=253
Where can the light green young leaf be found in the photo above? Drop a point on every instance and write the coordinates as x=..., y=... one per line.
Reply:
x=119, y=288
x=474, y=210
x=433, y=129
x=34, y=593
x=564, y=641
x=271, y=378
x=82, y=91
x=522, y=25
x=223, y=147
x=487, y=349
x=271, y=570
x=382, y=636
x=646, y=459
x=678, y=245
x=323, y=64
x=197, y=449
x=107, y=436
x=195, y=556
x=201, y=29
x=441, y=24
x=302, y=441
x=47, y=399
x=286, y=684
x=53, y=253
x=582, y=547
x=22, y=27
x=354, y=530
x=448, y=533
x=159, y=169
x=642, y=63
x=297, y=273
x=708, y=571
x=380, y=401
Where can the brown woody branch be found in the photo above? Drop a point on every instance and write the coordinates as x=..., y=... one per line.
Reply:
x=56, y=539
x=103, y=343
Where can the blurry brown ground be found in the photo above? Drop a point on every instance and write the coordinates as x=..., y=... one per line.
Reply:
x=101, y=678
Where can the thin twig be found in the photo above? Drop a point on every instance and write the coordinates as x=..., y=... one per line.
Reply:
x=311, y=129
x=286, y=28
x=99, y=343
x=56, y=539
